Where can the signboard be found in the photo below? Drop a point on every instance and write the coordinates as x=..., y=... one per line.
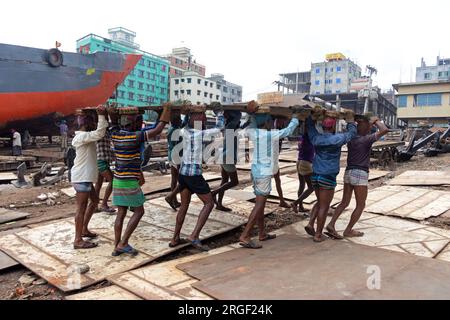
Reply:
x=335, y=56
x=270, y=97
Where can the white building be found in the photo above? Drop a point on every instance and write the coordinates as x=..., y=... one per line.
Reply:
x=195, y=88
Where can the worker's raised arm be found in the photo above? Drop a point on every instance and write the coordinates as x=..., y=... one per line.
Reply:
x=93, y=136
x=163, y=120
x=382, y=129
x=283, y=133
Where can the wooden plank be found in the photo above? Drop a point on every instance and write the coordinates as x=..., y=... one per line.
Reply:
x=7, y=215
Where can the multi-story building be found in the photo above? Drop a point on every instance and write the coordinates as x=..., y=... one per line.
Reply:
x=440, y=71
x=230, y=92
x=295, y=82
x=333, y=76
x=418, y=101
x=195, y=88
x=148, y=83
x=181, y=60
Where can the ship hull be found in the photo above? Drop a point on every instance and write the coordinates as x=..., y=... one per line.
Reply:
x=30, y=88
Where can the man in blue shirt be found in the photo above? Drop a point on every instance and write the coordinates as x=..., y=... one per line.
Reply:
x=266, y=142
x=326, y=166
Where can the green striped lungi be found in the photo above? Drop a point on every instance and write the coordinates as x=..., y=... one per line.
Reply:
x=127, y=193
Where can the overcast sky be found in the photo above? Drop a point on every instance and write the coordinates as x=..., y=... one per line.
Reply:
x=250, y=42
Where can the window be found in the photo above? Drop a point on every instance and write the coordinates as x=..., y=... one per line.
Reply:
x=331, y=69
x=148, y=75
x=149, y=63
x=140, y=97
x=232, y=91
x=152, y=88
x=239, y=93
x=338, y=91
x=188, y=92
x=163, y=68
x=142, y=62
x=177, y=81
x=210, y=84
x=131, y=83
x=147, y=86
x=182, y=79
x=210, y=95
x=162, y=91
x=225, y=89
x=317, y=92
x=443, y=74
x=224, y=99
x=153, y=76
x=217, y=97
x=206, y=83
x=326, y=70
x=206, y=94
x=141, y=85
x=199, y=92
x=189, y=80
x=402, y=101
x=317, y=70
x=199, y=81
x=317, y=83
x=176, y=92
x=218, y=86
x=338, y=80
x=130, y=96
x=430, y=99
x=427, y=76
x=182, y=91
x=338, y=69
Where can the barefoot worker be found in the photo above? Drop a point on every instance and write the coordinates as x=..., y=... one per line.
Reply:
x=84, y=173
x=191, y=179
x=230, y=177
x=326, y=168
x=279, y=123
x=262, y=171
x=128, y=176
x=105, y=156
x=356, y=176
x=304, y=170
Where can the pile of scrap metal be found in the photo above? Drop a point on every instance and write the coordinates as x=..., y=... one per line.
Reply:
x=434, y=143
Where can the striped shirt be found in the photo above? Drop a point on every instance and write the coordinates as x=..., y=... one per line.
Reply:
x=127, y=152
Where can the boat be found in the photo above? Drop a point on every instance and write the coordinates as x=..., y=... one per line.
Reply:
x=39, y=85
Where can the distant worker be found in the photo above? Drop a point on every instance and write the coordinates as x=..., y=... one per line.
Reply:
x=16, y=143
x=84, y=173
x=63, y=131
x=356, y=178
x=128, y=176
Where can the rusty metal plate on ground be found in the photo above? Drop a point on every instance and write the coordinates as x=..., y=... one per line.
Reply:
x=422, y=178
x=292, y=267
x=47, y=250
x=7, y=215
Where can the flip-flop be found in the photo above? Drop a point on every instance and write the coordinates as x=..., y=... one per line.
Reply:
x=250, y=245
x=127, y=250
x=358, y=234
x=171, y=204
x=109, y=210
x=90, y=236
x=197, y=244
x=310, y=231
x=269, y=237
x=223, y=209
x=86, y=245
x=334, y=235
x=179, y=243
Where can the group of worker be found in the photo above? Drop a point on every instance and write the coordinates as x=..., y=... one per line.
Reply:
x=121, y=140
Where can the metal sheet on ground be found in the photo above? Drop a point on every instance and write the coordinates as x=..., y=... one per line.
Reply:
x=108, y=293
x=7, y=176
x=325, y=271
x=47, y=250
x=6, y=261
x=422, y=178
x=408, y=202
x=7, y=215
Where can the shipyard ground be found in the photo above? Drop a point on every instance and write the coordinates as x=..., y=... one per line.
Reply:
x=12, y=285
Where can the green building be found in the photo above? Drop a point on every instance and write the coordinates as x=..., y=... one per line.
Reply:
x=148, y=83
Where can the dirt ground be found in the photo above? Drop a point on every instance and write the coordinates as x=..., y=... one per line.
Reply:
x=26, y=200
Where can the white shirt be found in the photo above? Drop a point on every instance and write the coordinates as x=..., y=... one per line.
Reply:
x=85, y=163
x=17, y=139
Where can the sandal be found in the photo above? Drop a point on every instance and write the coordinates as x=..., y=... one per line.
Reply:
x=108, y=210
x=333, y=235
x=127, y=250
x=309, y=230
x=85, y=245
x=172, y=204
x=269, y=237
x=250, y=245
x=90, y=235
x=198, y=245
x=178, y=243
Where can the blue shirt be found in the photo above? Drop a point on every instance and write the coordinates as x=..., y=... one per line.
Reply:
x=328, y=148
x=266, y=143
